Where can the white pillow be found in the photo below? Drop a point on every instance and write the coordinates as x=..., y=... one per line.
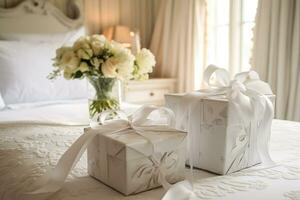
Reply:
x=24, y=67
x=2, y=104
x=67, y=37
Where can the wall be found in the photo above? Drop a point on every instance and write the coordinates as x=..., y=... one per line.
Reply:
x=137, y=14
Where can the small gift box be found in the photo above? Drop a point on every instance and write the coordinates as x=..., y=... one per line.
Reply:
x=130, y=154
x=138, y=158
x=228, y=126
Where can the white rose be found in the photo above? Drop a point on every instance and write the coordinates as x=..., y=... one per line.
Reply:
x=60, y=51
x=125, y=63
x=97, y=47
x=84, y=53
x=145, y=61
x=144, y=77
x=96, y=62
x=97, y=37
x=70, y=60
x=123, y=60
x=83, y=67
x=97, y=43
x=125, y=71
x=67, y=74
x=82, y=47
x=109, y=69
x=82, y=43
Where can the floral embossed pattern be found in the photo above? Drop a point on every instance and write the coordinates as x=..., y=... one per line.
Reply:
x=293, y=195
x=26, y=151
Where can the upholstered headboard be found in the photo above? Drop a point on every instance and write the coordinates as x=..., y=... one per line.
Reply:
x=41, y=16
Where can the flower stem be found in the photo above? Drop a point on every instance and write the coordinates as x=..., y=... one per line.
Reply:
x=103, y=99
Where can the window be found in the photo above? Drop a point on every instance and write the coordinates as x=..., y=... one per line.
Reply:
x=230, y=25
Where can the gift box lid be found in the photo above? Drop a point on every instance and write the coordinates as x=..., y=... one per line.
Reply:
x=118, y=144
x=219, y=97
x=214, y=108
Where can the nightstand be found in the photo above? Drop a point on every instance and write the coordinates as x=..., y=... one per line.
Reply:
x=150, y=91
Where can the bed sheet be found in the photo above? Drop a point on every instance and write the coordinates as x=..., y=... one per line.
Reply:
x=68, y=112
x=28, y=148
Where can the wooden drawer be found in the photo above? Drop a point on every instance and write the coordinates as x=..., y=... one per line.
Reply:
x=151, y=91
x=145, y=96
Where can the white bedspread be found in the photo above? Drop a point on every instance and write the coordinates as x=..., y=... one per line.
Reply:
x=73, y=112
x=27, y=149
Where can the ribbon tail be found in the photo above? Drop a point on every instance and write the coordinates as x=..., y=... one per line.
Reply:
x=56, y=177
x=264, y=129
x=181, y=191
x=162, y=179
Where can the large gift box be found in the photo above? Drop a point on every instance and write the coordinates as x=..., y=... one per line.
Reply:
x=130, y=163
x=223, y=138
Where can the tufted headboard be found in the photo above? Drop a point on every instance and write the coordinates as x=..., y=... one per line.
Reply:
x=41, y=16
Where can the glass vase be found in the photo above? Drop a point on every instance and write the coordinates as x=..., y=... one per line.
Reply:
x=105, y=96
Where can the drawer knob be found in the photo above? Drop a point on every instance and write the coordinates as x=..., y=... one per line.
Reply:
x=151, y=94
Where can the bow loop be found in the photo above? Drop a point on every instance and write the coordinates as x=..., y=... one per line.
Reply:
x=140, y=117
x=216, y=77
x=246, y=76
x=236, y=87
x=243, y=91
x=253, y=75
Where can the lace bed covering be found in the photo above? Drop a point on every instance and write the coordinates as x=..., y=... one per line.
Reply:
x=26, y=151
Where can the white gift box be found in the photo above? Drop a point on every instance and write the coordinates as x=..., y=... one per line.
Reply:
x=221, y=143
x=125, y=160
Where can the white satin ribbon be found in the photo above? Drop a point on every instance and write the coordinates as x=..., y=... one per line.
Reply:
x=53, y=180
x=246, y=93
x=249, y=101
x=181, y=191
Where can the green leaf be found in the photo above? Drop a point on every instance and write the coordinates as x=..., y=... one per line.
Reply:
x=78, y=74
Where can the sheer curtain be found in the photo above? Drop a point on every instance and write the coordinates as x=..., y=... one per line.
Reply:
x=178, y=41
x=276, y=53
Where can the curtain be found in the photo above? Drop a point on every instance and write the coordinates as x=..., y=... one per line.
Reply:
x=136, y=14
x=178, y=41
x=276, y=53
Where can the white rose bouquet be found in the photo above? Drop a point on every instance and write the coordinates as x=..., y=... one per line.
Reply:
x=102, y=62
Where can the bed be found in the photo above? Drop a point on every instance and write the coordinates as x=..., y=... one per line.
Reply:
x=27, y=149
x=36, y=131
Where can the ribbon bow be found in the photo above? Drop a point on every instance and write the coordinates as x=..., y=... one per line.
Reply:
x=248, y=104
x=247, y=100
x=53, y=180
x=157, y=170
x=218, y=79
x=244, y=90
